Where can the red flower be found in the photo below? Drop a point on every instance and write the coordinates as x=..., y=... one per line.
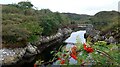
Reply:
x=59, y=59
x=88, y=49
x=35, y=65
x=62, y=62
x=73, y=49
x=85, y=47
x=73, y=56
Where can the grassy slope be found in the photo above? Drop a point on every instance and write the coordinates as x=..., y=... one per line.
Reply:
x=25, y=25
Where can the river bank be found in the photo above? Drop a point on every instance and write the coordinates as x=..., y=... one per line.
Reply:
x=83, y=55
x=11, y=56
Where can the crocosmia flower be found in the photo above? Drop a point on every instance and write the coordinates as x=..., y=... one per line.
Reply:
x=73, y=49
x=62, y=62
x=88, y=49
x=59, y=58
x=73, y=56
x=35, y=65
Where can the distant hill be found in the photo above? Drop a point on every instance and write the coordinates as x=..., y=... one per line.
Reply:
x=102, y=20
x=78, y=18
x=108, y=22
x=105, y=19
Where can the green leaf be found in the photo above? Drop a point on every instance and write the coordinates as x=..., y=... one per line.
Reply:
x=51, y=52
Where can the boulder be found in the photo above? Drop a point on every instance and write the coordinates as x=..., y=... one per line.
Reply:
x=111, y=39
x=10, y=56
x=31, y=49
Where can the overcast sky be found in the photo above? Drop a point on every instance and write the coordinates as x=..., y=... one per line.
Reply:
x=72, y=6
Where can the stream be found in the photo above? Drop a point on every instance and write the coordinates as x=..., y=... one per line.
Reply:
x=47, y=56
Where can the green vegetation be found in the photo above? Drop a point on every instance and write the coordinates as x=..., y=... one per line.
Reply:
x=76, y=18
x=23, y=22
x=105, y=21
x=102, y=55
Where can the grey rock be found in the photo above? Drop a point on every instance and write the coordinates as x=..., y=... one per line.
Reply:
x=9, y=56
x=31, y=49
x=111, y=39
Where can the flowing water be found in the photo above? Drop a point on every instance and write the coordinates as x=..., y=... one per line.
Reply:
x=46, y=54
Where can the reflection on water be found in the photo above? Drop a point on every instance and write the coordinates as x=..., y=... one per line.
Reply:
x=71, y=42
x=76, y=35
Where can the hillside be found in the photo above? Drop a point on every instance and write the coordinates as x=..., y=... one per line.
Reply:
x=105, y=19
x=21, y=23
x=76, y=18
x=108, y=22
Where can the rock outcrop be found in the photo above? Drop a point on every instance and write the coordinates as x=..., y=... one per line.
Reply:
x=10, y=56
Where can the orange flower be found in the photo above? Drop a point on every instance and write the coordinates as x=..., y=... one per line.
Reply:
x=73, y=56
x=74, y=48
x=59, y=58
x=35, y=65
x=62, y=62
x=88, y=49
x=85, y=47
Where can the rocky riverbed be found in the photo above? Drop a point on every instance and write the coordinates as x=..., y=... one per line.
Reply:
x=9, y=56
